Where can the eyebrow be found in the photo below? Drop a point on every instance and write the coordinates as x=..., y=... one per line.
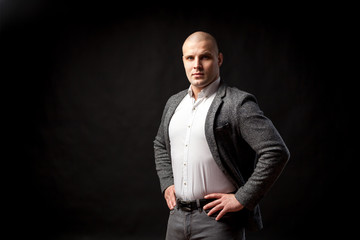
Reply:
x=206, y=53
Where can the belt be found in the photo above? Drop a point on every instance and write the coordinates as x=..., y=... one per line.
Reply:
x=189, y=206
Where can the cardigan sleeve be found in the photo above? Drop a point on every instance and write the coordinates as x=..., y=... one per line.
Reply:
x=162, y=156
x=272, y=154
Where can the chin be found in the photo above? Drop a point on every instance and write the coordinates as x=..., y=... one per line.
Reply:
x=197, y=83
x=200, y=82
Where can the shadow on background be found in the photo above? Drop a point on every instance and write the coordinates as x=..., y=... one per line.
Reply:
x=85, y=84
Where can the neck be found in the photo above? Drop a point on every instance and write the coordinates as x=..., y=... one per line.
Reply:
x=196, y=91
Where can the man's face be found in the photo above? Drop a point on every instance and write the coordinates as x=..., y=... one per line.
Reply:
x=201, y=62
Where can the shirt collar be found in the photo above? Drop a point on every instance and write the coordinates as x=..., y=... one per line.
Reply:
x=208, y=90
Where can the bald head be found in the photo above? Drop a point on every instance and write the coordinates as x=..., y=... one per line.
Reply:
x=202, y=60
x=201, y=36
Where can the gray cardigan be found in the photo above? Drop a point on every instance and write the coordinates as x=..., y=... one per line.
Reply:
x=244, y=143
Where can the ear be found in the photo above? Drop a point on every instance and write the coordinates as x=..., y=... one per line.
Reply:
x=220, y=59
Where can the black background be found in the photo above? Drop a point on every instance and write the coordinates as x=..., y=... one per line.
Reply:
x=85, y=83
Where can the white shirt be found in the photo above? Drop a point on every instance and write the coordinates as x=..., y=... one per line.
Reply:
x=195, y=171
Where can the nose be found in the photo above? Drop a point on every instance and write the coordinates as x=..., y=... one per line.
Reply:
x=197, y=63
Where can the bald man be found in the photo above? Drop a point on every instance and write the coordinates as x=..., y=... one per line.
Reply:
x=216, y=154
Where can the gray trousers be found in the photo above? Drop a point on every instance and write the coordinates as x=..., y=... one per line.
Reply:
x=197, y=225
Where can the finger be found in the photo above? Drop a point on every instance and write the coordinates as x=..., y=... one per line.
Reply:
x=171, y=204
x=221, y=214
x=170, y=198
x=214, y=210
x=172, y=201
x=211, y=204
x=214, y=195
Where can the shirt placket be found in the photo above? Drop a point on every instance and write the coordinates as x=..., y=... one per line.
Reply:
x=189, y=124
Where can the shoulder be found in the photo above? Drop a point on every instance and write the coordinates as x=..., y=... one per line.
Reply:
x=239, y=103
x=236, y=96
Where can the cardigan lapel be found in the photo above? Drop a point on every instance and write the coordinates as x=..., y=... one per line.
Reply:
x=170, y=112
x=209, y=124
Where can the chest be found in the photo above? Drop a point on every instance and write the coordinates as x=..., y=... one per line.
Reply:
x=189, y=119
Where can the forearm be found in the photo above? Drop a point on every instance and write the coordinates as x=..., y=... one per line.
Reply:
x=267, y=170
x=163, y=164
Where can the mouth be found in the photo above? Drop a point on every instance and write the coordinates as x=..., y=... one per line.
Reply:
x=198, y=74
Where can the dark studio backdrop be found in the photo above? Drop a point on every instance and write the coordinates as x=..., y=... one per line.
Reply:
x=84, y=86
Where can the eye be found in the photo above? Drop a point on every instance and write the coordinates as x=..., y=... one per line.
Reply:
x=189, y=58
x=205, y=57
